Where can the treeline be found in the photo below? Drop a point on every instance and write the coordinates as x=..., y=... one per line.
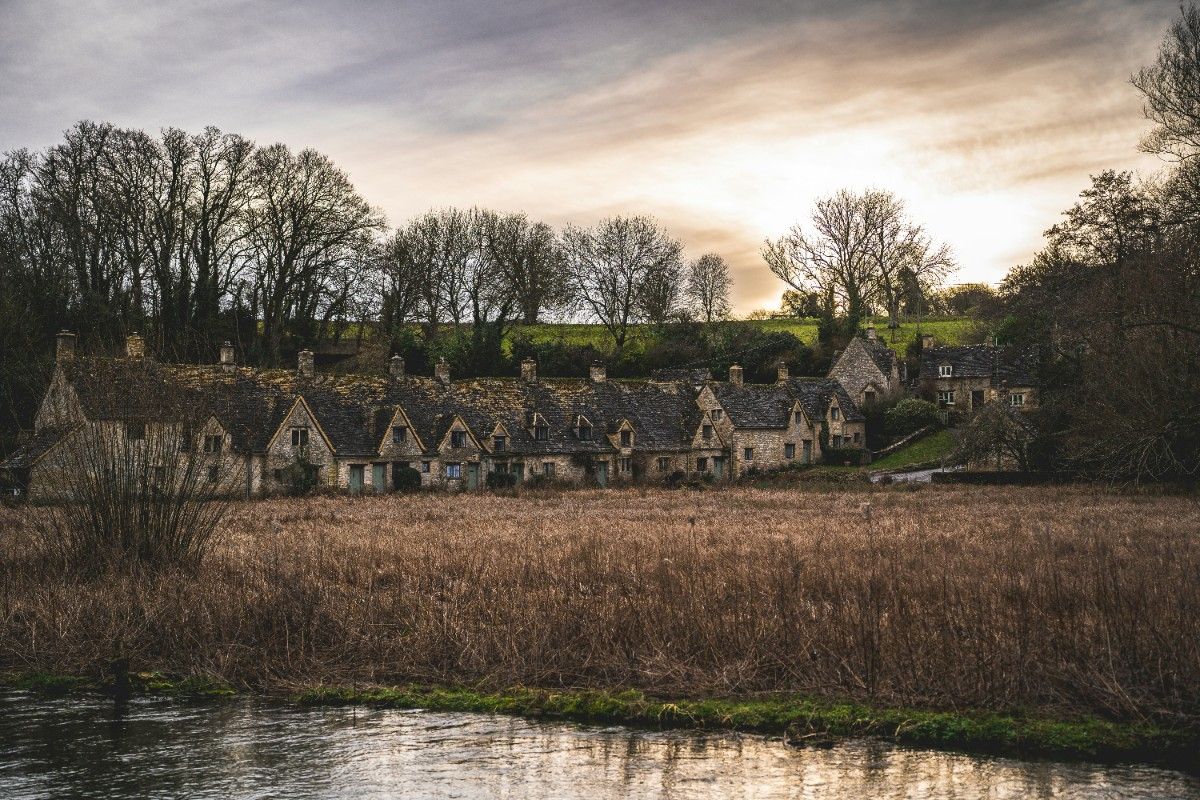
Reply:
x=1113, y=300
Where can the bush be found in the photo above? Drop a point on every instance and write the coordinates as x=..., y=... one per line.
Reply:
x=909, y=415
x=406, y=479
x=851, y=457
x=501, y=480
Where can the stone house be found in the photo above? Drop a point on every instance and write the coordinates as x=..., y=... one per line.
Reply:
x=966, y=377
x=868, y=369
x=256, y=429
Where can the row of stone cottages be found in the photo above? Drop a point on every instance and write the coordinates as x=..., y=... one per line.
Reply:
x=356, y=431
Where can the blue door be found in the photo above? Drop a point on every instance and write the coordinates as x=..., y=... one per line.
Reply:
x=356, y=478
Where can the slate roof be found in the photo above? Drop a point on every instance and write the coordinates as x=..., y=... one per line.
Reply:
x=999, y=364
x=883, y=356
x=354, y=410
x=27, y=453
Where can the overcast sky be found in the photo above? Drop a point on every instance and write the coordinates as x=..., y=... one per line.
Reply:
x=723, y=120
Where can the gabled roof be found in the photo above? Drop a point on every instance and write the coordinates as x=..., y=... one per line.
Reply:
x=883, y=356
x=1001, y=365
x=754, y=405
x=816, y=394
x=30, y=452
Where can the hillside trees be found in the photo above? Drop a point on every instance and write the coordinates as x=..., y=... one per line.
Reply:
x=707, y=287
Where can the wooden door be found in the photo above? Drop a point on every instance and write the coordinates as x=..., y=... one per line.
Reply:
x=356, y=478
x=379, y=477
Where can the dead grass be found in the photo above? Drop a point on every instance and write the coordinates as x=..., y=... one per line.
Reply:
x=949, y=598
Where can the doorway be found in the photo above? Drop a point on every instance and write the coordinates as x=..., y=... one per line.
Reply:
x=602, y=473
x=356, y=478
x=379, y=477
x=472, y=475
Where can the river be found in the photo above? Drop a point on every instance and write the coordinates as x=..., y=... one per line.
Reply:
x=154, y=748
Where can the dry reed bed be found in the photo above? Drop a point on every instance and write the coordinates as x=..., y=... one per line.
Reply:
x=1070, y=600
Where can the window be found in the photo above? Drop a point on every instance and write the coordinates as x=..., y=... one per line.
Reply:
x=212, y=444
x=717, y=414
x=1017, y=399
x=797, y=419
x=835, y=413
x=501, y=467
x=626, y=438
x=789, y=450
x=946, y=371
x=706, y=432
x=299, y=437
x=836, y=441
x=857, y=437
x=425, y=466
x=748, y=454
x=946, y=398
x=548, y=469
x=499, y=443
x=702, y=464
x=664, y=463
x=585, y=432
x=135, y=431
x=626, y=464
x=277, y=475
x=458, y=438
x=454, y=471
x=399, y=434
x=541, y=433
x=212, y=474
x=868, y=397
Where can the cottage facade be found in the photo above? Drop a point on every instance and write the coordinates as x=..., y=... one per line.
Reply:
x=868, y=369
x=967, y=377
x=255, y=430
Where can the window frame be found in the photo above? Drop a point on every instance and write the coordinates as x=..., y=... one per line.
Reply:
x=664, y=463
x=453, y=471
x=499, y=444
x=706, y=432
x=426, y=467
x=747, y=454
x=458, y=438
x=945, y=370
x=946, y=397
x=1016, y=399
x=549, y=468
x=399, y=434
x=789, y=450
x=626, y=438
x=300, y=436
x=214, y=443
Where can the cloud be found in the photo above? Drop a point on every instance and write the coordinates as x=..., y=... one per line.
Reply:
x=725, y=123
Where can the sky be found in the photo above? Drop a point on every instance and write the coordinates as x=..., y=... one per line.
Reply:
x=724, y=120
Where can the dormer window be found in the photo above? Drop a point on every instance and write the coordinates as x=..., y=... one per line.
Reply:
x=499, y=443
x=299, y=437
x=626, y=438
x=946, y=371
x=213, y=444
x=835, y=413
x=399, y=434
x=458, y=438
x=585, y=432
x=1016, y=399
x=717, y=414
x=706, y=432
x=541, y=432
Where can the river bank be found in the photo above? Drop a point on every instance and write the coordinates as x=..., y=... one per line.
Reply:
x=800, y=721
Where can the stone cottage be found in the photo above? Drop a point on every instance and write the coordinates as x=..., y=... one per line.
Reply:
x=966, y=377
x=254, y=430
x=868, y=369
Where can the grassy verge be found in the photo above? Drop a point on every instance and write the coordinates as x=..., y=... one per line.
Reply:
x=800, y=721
x=929, y=449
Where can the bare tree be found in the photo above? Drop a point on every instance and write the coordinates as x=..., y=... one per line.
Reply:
x=707, y=287
x=527, y=255
x=902, y=254
x=832, y=258
x=1171, y=87
x=608, y=267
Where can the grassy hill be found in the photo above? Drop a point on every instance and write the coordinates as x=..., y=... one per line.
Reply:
x=948, y=330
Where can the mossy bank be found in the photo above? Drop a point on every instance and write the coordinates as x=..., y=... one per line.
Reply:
x=798, y=720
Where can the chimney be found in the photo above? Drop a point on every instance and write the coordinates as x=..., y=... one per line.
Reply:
x=227, y=359
x=441, y=371
x=529, y=370
x=598, y=372
x=735, y=375
x=781, y=373
x=64, y=346
x=304, y=364
x=871, y=330
x=928, y=340
x=135, y=346
x=396, y=367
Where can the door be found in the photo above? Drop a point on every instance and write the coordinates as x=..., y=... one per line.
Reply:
x=976, y=399
x=356, y=478
x=719, y=467
x=602, y=473
x=519, y=470
x=396, y=467
x=807, y=456
x=472, y=475
x=379, y=477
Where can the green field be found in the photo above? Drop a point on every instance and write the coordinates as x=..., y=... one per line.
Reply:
x=926, y=450
x=953, y=330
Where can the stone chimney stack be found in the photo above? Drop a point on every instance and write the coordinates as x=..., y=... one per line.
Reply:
x=735, y=375
x=598, y=372
x=135, y=346
x=441, y=371
x=781, y=373
x=64, y=346
x=227, y=356
x=305, y=367
x=396, y=367
x=529, y=370
x=928, y=340
x=871, y=330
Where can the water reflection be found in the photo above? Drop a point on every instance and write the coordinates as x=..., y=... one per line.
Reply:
x=72, y=748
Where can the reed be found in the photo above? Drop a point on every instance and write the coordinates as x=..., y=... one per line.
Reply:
x=1007, y=599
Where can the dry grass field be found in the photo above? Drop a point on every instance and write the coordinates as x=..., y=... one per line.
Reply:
x=1054, y=599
